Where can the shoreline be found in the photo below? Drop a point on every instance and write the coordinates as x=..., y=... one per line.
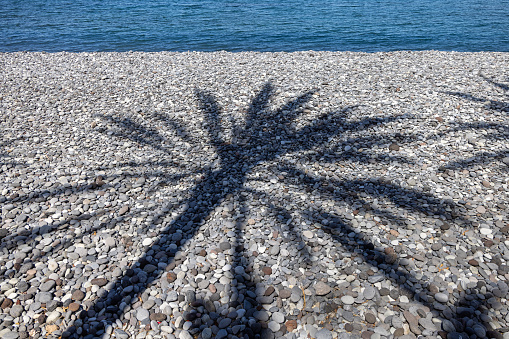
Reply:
x=218, y=194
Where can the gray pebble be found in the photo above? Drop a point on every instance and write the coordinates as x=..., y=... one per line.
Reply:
x=323, y=334
x=142, y=314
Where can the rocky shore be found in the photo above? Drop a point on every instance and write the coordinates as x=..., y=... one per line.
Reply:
x=254, y=195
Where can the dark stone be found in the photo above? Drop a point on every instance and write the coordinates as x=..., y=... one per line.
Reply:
x=494, y=334
x=267, y=270
x=171, y=276
x=159, y=317
x=269, y=291
x=285, y=293
x=3, y=233
x=6, y=303
x=99, y=282
x=445, y=226
x=394, y=147
x=473, y=262
x=370, y=318
x=399, y=332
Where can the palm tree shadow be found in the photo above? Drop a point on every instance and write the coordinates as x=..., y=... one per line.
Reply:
x=204, y=197
x=265, y=136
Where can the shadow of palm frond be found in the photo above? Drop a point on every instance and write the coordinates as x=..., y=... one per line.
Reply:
x=27, y=232
x=5, y=158
x=491, y=131
x=471, y=309
x=495, y=105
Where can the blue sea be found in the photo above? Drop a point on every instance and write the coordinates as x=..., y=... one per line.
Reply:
x=254, y=25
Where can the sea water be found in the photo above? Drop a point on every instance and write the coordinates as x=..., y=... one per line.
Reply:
x=254, y=25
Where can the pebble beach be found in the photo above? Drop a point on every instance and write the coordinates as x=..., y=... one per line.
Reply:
x=254, y=195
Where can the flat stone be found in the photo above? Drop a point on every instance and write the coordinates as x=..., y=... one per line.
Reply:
x=172, y=296
x=369, y=292
x=206, y=333
x=44, y=297
x=370, y=318
x=99, y=282
x=307, y=234
x=285, y=293
x=123, y=210
x=261, y=315
x=166, y=329
x=394, y=147
x=269, y=291
x=427, y=324
x=171, y=276
x=278, y=317
x=48, y=285
x=347, y=300
x=224, y=323
x=16, y=311
x=323, y=334
x=291, y=325
x=10, y=335
x=52, y=317
x=120, y=333
x=373, y=279
x=441, y=297
x=78, y=295
x=481, y=209
x=267, y=270
x=274, y=326
x=149, y=268
x=73, y=307
x=51, y=328
x=6, y=303
x=142, y=314
x=159, y=317
x=322, y=288
x=110, y=242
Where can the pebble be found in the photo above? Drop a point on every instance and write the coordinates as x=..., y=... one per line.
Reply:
x=441, y=297
x=369, y=292
x=142, y=314
x=323, y=334
x=370, y=318
x=322, y=288
x=47, y=286
x=278, y=317
x=273, y=326
x=308, y=234
x=121, y=334
x=326, y=194
x=78, y=295
x=347, y=300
